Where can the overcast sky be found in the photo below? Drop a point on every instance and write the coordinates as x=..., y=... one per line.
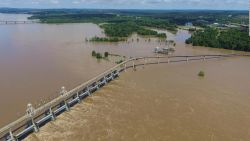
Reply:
x=129, y=4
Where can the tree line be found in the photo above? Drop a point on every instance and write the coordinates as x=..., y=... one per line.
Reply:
x=233, y=39
x=128, y=28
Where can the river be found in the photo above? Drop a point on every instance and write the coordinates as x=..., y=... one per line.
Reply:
x=37, y=59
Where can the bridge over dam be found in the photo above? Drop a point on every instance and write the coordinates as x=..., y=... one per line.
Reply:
x=36, y=118
x=17, y=22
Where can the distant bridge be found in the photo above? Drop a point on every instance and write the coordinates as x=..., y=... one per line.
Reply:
x=36, y=118
x=17, y=22
x=237, y=25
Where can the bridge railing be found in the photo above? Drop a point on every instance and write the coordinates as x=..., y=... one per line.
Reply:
x=35, y=118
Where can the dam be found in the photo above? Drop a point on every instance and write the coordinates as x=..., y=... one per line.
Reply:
x=36, y=118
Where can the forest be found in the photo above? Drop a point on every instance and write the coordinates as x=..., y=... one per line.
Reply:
x=233, y=39
x=165, y=18
x=127, y=28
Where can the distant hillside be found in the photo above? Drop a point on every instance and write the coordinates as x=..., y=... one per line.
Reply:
x=180, y=17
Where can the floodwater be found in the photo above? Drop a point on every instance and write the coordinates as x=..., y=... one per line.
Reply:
x=37, y=59
x=163, y=102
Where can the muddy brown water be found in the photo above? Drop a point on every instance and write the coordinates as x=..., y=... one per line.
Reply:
x=163, y=102
x=37, y=59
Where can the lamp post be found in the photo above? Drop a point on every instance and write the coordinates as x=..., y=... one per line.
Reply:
x=31, y=112
x=63, y=93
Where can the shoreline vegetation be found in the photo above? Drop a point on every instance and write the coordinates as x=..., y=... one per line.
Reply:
x=106, y=56
x=116, y=26
x=120, y=32
x=107, y=18
x=210, y=28
x=105, y=39
x=233, y=39
x=126, y=29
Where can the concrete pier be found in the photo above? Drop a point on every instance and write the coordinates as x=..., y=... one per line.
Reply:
x=53, y=117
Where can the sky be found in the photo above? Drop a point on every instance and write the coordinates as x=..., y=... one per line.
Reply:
x=129, y=4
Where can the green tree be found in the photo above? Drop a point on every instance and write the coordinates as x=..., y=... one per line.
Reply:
x=106, y=54
x=93, y=53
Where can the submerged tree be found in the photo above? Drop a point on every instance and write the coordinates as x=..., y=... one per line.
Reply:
x=99, y=55
x=201, y=74
x=93, y=53
x=106, y=54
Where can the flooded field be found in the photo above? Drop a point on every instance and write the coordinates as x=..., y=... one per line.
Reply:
x=163, y=102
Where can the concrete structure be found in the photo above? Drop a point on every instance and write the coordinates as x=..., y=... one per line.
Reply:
x=17, y=22
x=36, y=118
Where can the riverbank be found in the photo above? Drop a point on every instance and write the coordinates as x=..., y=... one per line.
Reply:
x=165, y=101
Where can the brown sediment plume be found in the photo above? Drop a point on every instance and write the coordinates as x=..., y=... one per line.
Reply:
x=163, y=102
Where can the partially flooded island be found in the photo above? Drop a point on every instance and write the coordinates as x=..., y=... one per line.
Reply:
x=129, y=75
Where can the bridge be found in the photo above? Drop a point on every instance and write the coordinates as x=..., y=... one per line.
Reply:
x=17, y=22
x=36, y=118
x=237, y=25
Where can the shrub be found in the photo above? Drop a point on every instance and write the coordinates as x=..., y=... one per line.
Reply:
x=106, y=54
x=98, y=55
x=93, y=53
x=161, y=35
x=201, y=74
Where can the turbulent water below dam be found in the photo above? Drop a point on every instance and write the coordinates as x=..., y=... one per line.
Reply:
x=163, y=102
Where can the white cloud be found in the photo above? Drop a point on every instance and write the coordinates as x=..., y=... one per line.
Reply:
x=54, y=1
x=76, y=2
